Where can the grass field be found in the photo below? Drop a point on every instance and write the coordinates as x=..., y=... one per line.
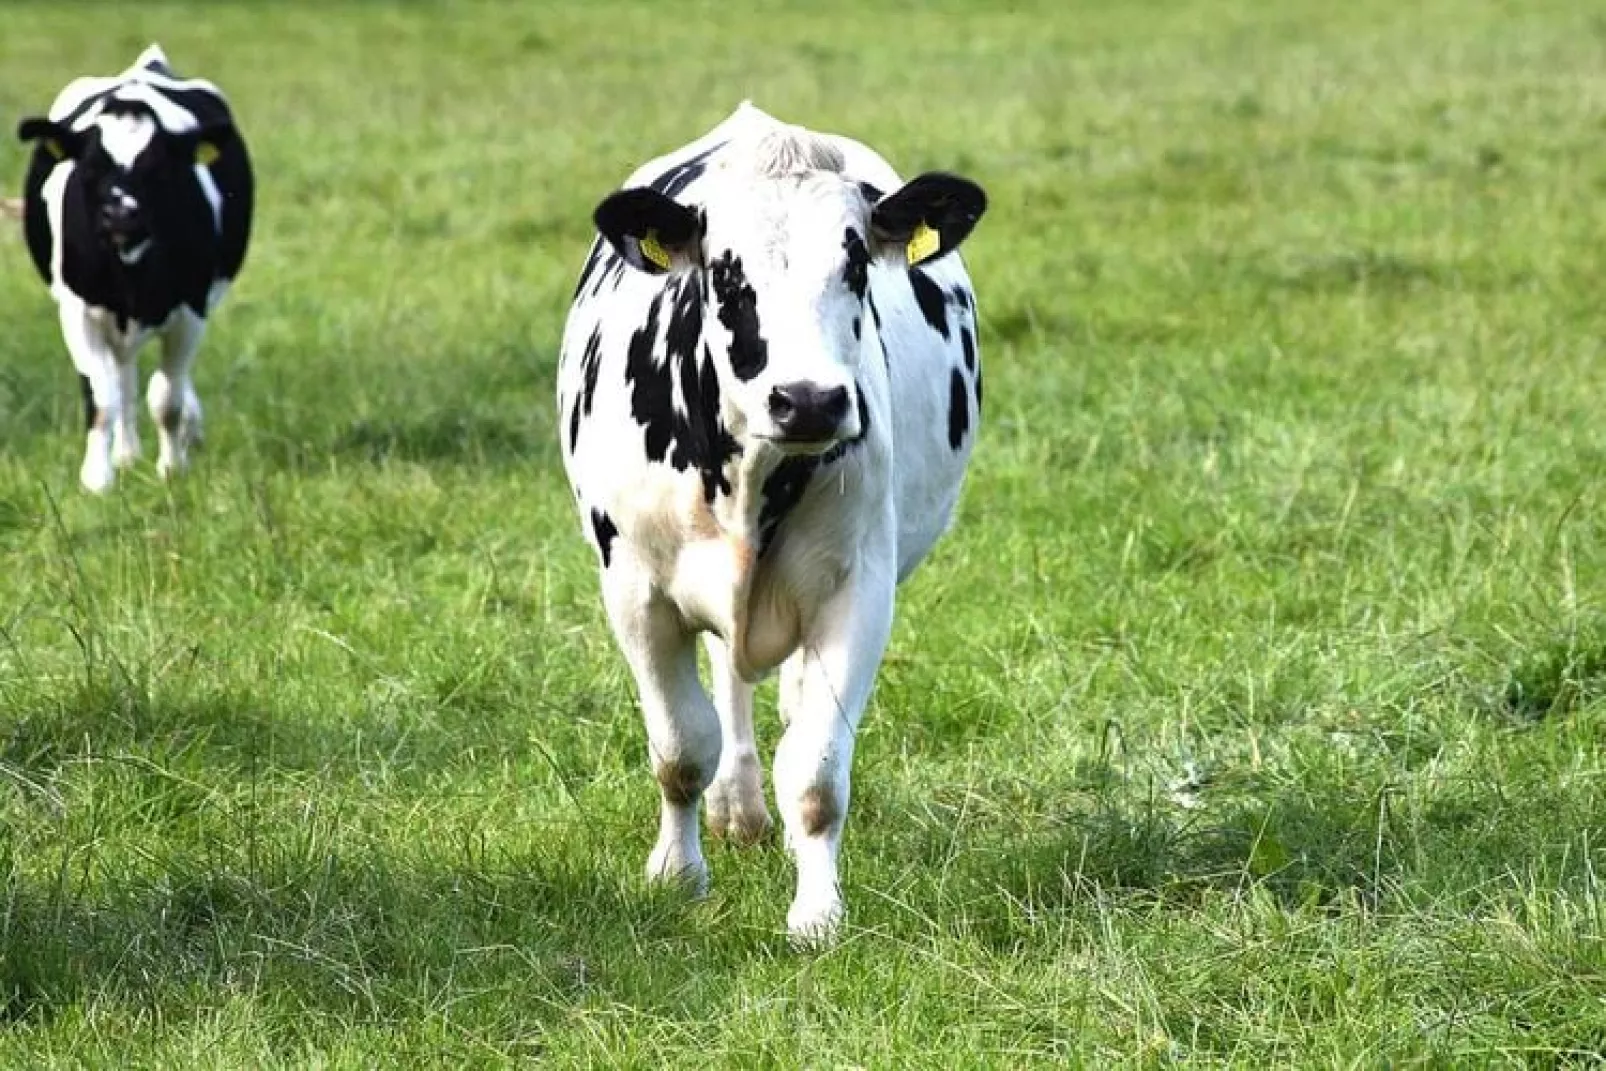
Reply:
x=1251, y=714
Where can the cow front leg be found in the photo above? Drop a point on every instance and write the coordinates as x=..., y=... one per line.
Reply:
x=683, y=737
x=105, y=402
x=824, y=689
x=735, y=801
x=171, y=396
x=125, y=425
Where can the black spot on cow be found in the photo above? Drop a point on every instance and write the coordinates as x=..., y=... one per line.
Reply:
x=958, y=409
x=684, y=335
x=683, y=174
x=857, y=272
x=698, y=437
x=590, y=367
x=593, y=258
x=613, y=270
x=651, y=400
x=933, y=304
x=858, y=328
x=872, y=193
x=704, y=442
x=90, y=412
x=968, y=341
x=783, y=489
x=978, y=390
x=603, y=528
x=738, y=311
x=964, y=298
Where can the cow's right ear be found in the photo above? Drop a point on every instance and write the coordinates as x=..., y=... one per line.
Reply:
x=55, y=138
x=652, y=232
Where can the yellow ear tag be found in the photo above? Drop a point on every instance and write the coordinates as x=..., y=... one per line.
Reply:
x=922, y=243
x=206, y=153
x=653, y=251
x=53, y=147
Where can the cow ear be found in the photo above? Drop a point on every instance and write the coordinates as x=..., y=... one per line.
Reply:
x=203, y=145
x=652, y=232
x=53, y=137
x=927, y=217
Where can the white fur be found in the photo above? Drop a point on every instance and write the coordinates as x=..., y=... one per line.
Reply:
x=819, y=604
x=134, y=86
x=125, y=136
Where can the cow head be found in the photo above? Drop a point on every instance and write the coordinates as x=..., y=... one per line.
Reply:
x=782, y=263
x=128, y=167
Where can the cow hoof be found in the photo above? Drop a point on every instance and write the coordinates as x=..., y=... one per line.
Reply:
x=97, y=475
x=689, y=875
x=814, y=923
x=736, y=812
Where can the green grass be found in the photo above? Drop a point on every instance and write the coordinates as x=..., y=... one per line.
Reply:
x=1251, y=714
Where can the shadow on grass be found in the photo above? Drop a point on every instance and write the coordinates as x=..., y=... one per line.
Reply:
x=434, y=727
x=316, y=936
x=1035, y=852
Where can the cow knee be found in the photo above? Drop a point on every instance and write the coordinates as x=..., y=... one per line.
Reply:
x=819, y=810
x=682, y=780
x=164, y=402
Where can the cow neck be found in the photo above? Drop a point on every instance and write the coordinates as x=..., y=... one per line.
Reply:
x=729, y=555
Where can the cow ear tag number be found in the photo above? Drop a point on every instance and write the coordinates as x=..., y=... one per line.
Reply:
x=922, y=243
x=653, y=251
x=206, y=153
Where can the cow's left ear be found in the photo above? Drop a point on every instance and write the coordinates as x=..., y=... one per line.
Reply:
x=203, y=145
x=55, y=138
x=926, y=217
x=652, y=232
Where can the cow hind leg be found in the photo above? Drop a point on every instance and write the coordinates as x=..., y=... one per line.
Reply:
x=734, y=803
x=171, y=396
x=824, y=689
x=683, y=734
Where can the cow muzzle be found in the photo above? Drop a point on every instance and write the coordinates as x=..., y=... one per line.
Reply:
x=806, y=414
x=123, y=224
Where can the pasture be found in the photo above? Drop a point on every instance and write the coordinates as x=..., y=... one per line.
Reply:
x=1251, y=714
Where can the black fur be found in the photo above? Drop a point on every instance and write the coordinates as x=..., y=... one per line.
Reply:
x=738, y=311
x=857, y=272
x=603, y=528
x=698, y=439
x=933, y=305
x=683, y=174
x=958, y=409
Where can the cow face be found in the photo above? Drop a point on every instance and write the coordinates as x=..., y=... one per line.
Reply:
x=783, y=269
x=126, y=166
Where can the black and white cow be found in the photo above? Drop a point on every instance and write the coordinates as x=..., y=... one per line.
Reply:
x=768, y=393
x=137, y=212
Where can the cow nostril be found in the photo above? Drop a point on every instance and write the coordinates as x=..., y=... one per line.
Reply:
x=805, y=412
x=783, y=405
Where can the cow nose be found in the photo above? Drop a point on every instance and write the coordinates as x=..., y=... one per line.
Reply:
x=119, y=210
x=806, y=412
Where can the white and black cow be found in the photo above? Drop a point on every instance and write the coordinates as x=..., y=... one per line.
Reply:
x=768, y=393
x=137, y=212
